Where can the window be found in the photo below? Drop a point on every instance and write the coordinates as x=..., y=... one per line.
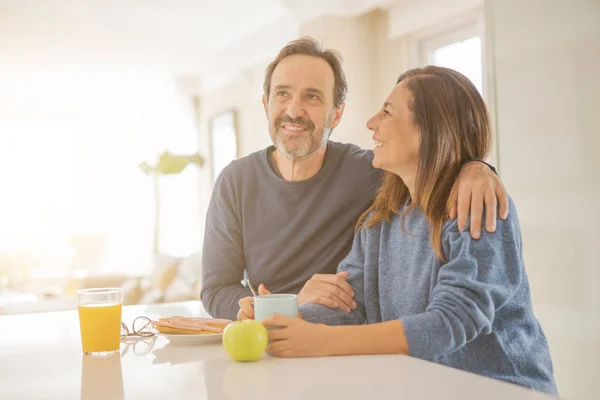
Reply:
x=73, y=195
x=458, y=48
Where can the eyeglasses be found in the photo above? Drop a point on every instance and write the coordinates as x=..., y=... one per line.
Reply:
x=141, y=338
x=140, y=345
x=141, y=327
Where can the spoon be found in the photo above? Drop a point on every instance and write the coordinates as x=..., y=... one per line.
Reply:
x=250, y=286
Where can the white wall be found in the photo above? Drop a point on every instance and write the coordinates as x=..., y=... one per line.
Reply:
x=391, y=58
x=546, y=60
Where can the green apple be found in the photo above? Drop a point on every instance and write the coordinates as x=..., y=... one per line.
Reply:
x=245, y=340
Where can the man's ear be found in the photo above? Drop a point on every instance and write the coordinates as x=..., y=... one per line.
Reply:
x=337, y=116
x=264, y=101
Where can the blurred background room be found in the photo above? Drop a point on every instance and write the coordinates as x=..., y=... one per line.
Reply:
x=116, y=116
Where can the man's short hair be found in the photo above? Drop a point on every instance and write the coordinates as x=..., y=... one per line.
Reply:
x=309, y=46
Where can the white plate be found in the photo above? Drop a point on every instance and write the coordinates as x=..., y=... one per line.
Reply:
x=193, y=339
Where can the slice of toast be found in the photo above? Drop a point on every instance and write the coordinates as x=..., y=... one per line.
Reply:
x=190, y=326
x=178, y=331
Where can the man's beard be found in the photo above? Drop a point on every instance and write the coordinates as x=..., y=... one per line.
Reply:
x=298, y=147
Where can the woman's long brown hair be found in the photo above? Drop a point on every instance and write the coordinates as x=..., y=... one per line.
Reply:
x=455, y=128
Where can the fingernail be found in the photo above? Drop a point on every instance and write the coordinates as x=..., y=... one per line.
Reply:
x=352, y=294
x=477, y=234
x=336, y=305
x=354, y=305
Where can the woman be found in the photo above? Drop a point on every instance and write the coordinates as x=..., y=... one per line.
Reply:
x=424, y=288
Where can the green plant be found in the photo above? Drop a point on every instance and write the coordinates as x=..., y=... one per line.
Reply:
x=172, y=164
x=168, y=164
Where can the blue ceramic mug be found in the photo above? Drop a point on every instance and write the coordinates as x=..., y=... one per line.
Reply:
x=271, y=304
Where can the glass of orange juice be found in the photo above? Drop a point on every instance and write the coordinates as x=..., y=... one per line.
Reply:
x=100, y=320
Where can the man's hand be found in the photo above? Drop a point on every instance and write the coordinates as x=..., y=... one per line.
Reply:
x=477, y=185
x=329, y=290
x=247, y=304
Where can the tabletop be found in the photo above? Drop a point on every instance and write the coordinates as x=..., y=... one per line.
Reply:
x=41, y=358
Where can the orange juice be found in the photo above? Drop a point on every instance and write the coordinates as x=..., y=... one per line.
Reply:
x=100, y=326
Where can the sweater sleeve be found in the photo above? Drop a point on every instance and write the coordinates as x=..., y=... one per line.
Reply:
x=353, y=263
x=478, y=279
x=222, y=254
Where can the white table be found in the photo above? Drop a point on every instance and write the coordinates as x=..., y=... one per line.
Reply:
x=40, y=358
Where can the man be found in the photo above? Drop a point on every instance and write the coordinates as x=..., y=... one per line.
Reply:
x=285, y=215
